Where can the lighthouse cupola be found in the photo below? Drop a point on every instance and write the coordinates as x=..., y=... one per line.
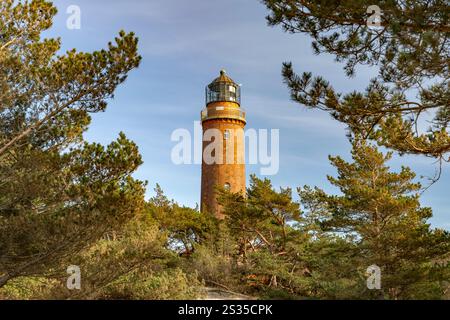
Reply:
x=223, y=89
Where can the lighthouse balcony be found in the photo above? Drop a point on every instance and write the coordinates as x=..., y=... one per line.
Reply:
x=222, y=112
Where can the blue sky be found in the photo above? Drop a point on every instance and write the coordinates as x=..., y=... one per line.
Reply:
x=184, y=44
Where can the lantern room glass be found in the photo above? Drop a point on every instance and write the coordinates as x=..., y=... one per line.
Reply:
x=223, y=91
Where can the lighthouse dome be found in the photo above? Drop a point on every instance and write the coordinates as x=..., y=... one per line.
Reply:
x=223, y=78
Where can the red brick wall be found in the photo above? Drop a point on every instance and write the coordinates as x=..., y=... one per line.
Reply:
x=218, y=174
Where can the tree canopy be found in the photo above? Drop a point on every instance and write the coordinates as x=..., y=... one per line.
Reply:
x=380, y=216
x=64, y=201
x=407, y=106
x=58, y=193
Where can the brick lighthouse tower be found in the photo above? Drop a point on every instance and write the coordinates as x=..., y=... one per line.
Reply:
x=223, y=123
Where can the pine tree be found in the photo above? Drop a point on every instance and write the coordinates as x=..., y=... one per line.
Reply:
x=266, y=228
x=411, y=50
x=58, y=193
x=185, y=227
x=378, y=220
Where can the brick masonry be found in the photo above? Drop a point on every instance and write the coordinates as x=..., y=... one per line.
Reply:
x=228, y=172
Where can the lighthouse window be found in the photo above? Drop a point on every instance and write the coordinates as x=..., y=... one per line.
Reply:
x=226, y=134
x=232, y=89
x=227, y=186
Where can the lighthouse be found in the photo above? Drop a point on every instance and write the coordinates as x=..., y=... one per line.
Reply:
x=223, y=160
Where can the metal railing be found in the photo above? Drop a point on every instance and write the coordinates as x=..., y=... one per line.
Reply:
x=222, y=112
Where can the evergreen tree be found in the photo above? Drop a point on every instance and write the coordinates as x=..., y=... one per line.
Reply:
x=410, y=50
x=185, y=227
x=266, y=228
x=382, y=223
x=58, y=194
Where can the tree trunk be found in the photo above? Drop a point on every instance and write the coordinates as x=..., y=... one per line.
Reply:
x=4, y=279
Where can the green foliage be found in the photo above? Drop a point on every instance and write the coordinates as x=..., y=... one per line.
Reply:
x=268, y=248
x=28, y=288
x=213, y=266
x=128, y=264
x=164, y=285
x=274, y=250
x=378, y=220
x=411, y=51
x=266, y=230
x=185, y=226
x=136, y=249
x=67, y=202
x=58, y=194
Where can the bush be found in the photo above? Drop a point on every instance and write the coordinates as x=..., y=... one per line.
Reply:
x=28, y=288
x=165, y=285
